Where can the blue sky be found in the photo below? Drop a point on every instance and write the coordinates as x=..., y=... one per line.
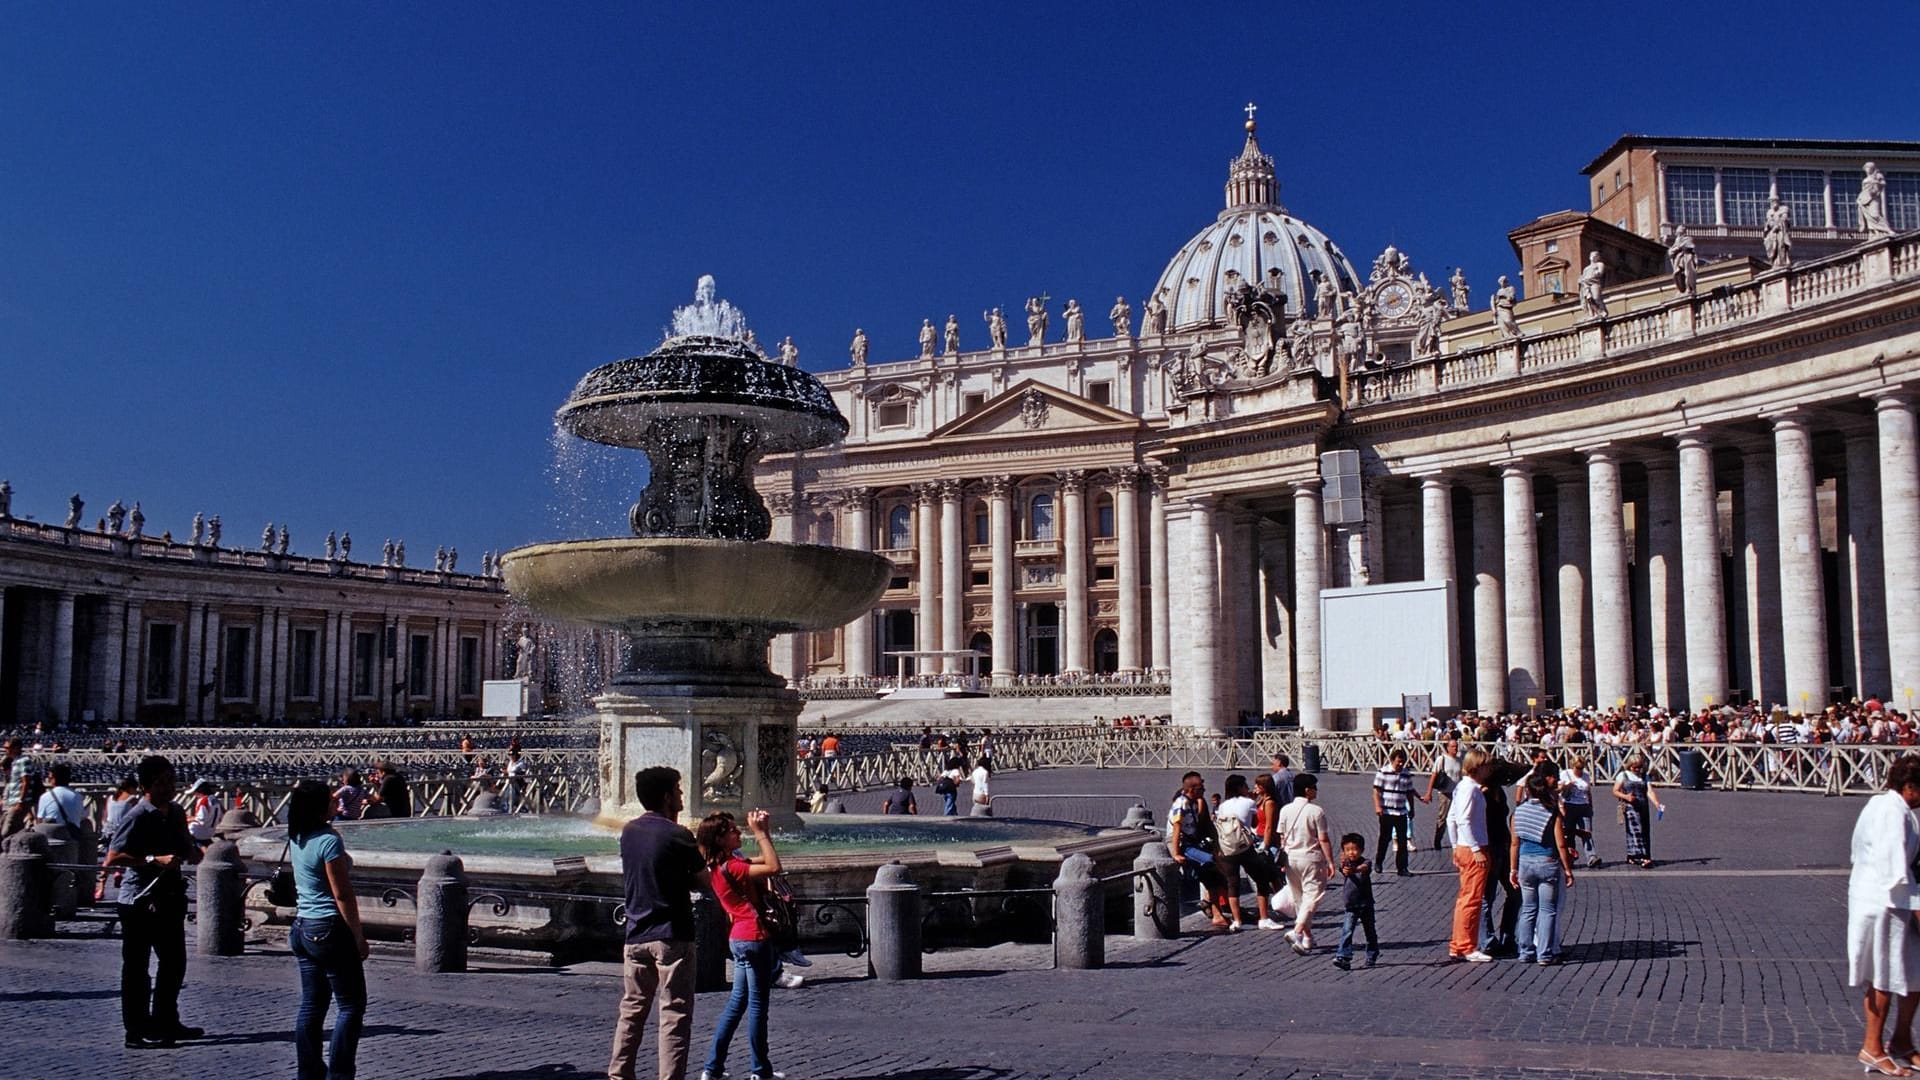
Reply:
x=336, y=266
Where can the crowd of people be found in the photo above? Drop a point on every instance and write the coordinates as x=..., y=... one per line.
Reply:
x=1858, y=721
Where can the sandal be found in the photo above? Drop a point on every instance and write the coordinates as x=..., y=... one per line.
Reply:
x=1882, y=1064
x=1908, y=1058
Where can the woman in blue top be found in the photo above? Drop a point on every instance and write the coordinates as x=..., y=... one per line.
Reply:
x=326, y=939
x=1542, y=866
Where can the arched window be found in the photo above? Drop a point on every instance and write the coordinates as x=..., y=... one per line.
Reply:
x=1040, y=517
x=1103, y=514
x=900, y=527
x=982, y=524
x=1106, y=652
x=823, y=531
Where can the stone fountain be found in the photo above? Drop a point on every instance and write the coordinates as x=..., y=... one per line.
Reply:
x=698, y=589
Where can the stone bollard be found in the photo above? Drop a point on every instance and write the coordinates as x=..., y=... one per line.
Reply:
x=1156, y=895
x=1079, y=915
x=440, y=916
x=893, y=924
x=1137, y=817
x=222, y=885
x=26, y=888
x=63, y=851
x=711, y=953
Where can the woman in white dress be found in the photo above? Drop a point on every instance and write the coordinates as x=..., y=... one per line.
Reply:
x=1883, y=937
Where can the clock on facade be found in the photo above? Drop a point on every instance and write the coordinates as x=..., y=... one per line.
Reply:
x=1393, y=300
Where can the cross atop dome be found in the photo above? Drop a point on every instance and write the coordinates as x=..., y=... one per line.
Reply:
x=1250, y=179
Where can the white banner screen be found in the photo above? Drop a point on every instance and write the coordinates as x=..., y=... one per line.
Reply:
x=1378, y=642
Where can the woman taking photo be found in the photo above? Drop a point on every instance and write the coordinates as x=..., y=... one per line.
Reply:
x=738, y=883
x=1883, y=944
x=326, y=938
x=1638, y=805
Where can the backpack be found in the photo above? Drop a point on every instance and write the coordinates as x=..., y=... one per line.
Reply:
x=946, y=785
x=1234, y=835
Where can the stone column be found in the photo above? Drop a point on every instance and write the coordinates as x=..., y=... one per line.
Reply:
x=927, y=555
x=112, y=652
x=1436, y=527
x=1203, y=614
x=60, y=685
x=1126, y=531
x=133, y=682
x=343, y=662
x=193, y=648
x=1576, y=651
x=1526, y=648
x=1664, y=604
x=1867, y=564
x=781, y=658
x=1803, y=613
x=1000, y=533
x=953, y=578
x=1275, y=617
x=396, y=704
x=1765, y=658
x=857, y=520
x=1157, y=583
x=1705, y=605
x=1489, y=609
x=1075, y=623
x=1239, y=580
x=283, y=662
x=1900, y=540
x=1309, y=571
x=1612, y=596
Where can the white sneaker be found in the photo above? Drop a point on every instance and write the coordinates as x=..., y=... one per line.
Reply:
x=1478, y=957
x=789, y=981
x=1235, y=927
x=722, y=1075
x=1292, y=938
x=1269, y=924
x=770, y=1076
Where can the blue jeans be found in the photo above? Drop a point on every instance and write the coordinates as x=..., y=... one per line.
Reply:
x=1540, y=884
x=329, y=968
x=1361, y=920
x=753, y=968
x=950, y=803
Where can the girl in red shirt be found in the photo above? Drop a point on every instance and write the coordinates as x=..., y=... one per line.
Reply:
x=738, y=885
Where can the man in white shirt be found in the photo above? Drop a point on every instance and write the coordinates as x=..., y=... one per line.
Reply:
x=1302, y=831
x=1467, y=819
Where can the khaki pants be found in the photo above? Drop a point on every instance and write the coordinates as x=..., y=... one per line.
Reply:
x=1307, y=881
x=655, y=968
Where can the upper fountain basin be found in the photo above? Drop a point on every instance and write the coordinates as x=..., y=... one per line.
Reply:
x=626, y=582
x=698, y=375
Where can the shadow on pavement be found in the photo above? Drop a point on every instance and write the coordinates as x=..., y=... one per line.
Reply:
x=58, y=995
x=538, y=1072
x=1594, y=952
x=244, y=1038
x=961, y=1073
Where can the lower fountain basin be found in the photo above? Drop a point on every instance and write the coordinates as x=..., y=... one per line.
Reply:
x=631, y=583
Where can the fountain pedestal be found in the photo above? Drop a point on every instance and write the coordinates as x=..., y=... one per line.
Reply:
x=735, y=754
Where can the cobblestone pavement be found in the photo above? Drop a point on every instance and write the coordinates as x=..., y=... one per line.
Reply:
x=1725, y=961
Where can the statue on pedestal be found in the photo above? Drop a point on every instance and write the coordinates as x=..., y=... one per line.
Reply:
x=333, y=546
x=440, y=559
x=6, y=499
x=453, y=559
x=137, y=522
x=1326, y=297
x=400, y=553
x=996, y=329
x=266, y=538
x=1458, y=283
x=1681, y=257
x=213, y=531
x=486, y=564
x=75, y=508
x=789, y=352
x=1775, y=236
x=199, y=533
x=928, y=336
x=116, y=518
x=1504, y=298
x=286, y=539
x=1426, y=341
x=523, y=655
x=1122, y=317
x=1076, y=322
x=1156, y=314
x=1592, y=304
x=1872, y=202
x=951, y=346
x=1037, y=320
x=858, y=350
x=386, y=553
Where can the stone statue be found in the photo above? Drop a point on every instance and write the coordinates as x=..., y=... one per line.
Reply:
x=1352, y=339
x=1326, y=297
x=200, y=530
x=346, y=545
x=1076, y=322
x=116, y=517
x=1592, y=305
x=951, y=346
x=1504, y=298
x=996, y=328
x=1122, y=317
x=333, y=545
x=213, y=531
x=859, y=347
x=75, y=507
x=439, y=558
x=453, y=559
x=137, y=522
x=1458, y=283
x=400, y=553
x=1301, y=352
x=486, y=564
x=1427, y=341
x=1774, y=235
x=6, y=499
x=386, y=553
x=789, y=353
x=1872, y=202
x=1156, y=313
x=266, y=538
x=1036, y=320
x=928, y=335
x=1680, y=256
x=523, y=655
x=286, y=540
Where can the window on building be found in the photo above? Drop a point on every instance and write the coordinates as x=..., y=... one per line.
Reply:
x=1845, y=188
x=980, y=578
x=971, y=401
x=1553, y=246
x=1100, y=392
x=1805, y=193
x=163, y=662
x=892, y=414
x=1903, y=201
x=302, y=652
x=1690, y=195
x=419, y=665
x=1103, y=572
x=1618, y=183
x=982, y=524
x=469, y=667
x=1743, y=195
x=1103, y=515
x=1040, y=517
x=366, y=662
x=898, y=583
x=236, y=663
x=823, y=531
x=1553, y=284
x=900, y=527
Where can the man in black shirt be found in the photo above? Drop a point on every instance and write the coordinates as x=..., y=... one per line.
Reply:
x=662, y=868
x=391, y=790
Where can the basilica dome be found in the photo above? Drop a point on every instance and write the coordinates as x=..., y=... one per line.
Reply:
x=1253, y=237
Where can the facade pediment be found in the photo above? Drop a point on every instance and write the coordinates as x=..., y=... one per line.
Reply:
x=1029, y=408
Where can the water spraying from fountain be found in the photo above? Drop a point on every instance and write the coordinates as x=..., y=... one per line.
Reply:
x=709, y=316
